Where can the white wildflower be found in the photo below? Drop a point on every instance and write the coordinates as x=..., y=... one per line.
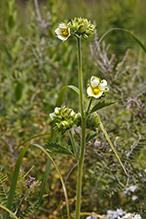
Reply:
x=63, y=32
x=96, y=87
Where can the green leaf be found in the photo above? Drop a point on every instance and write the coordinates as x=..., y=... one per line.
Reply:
x=18, y=91
x=114, y=150
x=61, y=94
x=3, y=188
x=59, y=100
x=77, y=134
x=56, y=148
x=90, y=136
x=100, y=105
x=11, y=21
x=45, y=178
x=8, y=211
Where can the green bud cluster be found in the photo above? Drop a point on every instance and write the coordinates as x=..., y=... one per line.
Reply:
x=92, y=122
x=81, y=27
x=64, y=119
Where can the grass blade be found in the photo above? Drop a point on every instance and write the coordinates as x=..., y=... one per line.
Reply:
x=33, y=137
x=46, y=174
x=93, y=214
x=110, y=143
x=127, y=31
x=10, y=212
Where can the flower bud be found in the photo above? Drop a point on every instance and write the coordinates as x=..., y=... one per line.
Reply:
x=85, y=36
x=92, y=122
x=63, y=119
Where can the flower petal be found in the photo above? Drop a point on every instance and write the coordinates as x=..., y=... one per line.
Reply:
x=52, y=115
x=58, y=31
x=102, y=86
x=57, y=109
x=104, y=82
x=62, y=37
x=62, y=26
x=89, y=91
x=95, y=81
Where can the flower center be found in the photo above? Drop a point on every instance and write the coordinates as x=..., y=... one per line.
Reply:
x=96, y=91
x=64, y=32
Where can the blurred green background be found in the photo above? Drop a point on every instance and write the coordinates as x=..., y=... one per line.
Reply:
x=35, y=65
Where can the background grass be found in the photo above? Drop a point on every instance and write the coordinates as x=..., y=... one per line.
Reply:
x=35, y=65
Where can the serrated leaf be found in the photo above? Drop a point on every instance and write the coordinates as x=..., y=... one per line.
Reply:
x=90, y=136
x=79, y=137
x=56, y=148
x=100, y=105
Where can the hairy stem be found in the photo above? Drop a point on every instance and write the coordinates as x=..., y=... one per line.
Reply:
x=83, y=125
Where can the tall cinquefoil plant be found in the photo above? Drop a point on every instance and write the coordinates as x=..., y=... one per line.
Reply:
x=65, y=119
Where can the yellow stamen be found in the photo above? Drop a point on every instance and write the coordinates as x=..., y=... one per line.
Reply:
x=96, y=91
x=64, y=32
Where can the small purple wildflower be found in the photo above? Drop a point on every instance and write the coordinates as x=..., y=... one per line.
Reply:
x=29, y=182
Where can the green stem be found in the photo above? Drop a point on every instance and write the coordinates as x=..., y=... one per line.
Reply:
x=80, y=77
x=74, y=145
x=80, y=170
x=83, y=125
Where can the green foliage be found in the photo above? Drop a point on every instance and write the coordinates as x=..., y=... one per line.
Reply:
x=126, y=122
x=3, y=189
x=56, y=148
x=106, y=182
x=90, y=136
x=101, y=105
x=92, y=122
x=35, y=66
x=137, y=147
x=25, y=199
x=115, y=18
